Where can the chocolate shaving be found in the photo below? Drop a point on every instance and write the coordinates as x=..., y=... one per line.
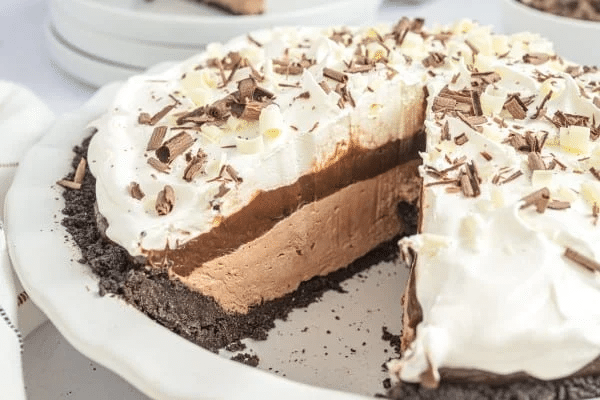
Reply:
x=542, y=142
x=560, y=164
x=558, y=205
x=360, y=68
x=452, y=168
x=288, y=70
x=536, y=58
x=434, y=60
x=401, y=29
x=220, y=109
x=473, y=120
x=474, y=180
x=173, y=147
x=303, y=95
x=135, y=191
x=233, y=174
x=442, y=182
x=574, y=70
x=254, y=41
x=461, y=139
x=183, y=118
x=595, y=173
x=313, y=127
x=486, y=155
x=476, y=102
x=80, y=171
x=466, y=187
x=216, y=62
x=535, y=161
x=165, y=200
x=446, y=131
x=540, y=198
x=252, y=110
x=532, y=142
x=481, y=80
x=144, y=118
x=443, y=104
x=158, y=134
x=69, y=184
x=260, y=94
x=539, y=109
x=255, y=74
x=223, y=190
x=500, y=122
x=473, y=48
x=515, y=107
x=582, y=260
x=512, y=177
x=325, y=87
x=195, y=166
x=562, y=119
x=518, y=141
x=290, y=85
x=468, y=120
x=157, y=165
x=453, y=189
x=335, y=75
x=246, y=88
x=433, y=172
x=161, y=114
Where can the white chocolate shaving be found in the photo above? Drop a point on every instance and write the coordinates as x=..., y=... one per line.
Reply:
x=270, y=122
x=575, y=139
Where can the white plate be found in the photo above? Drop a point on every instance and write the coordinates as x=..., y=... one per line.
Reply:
x=86, y=67
x=160, y=363
x=140, y=54
x=574, y=39
x=190, y=22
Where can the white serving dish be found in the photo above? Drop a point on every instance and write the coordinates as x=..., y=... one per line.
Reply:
x=186, y=22
x=340, y=335
x=574, y=39
x=136, y=53
x=84, y=66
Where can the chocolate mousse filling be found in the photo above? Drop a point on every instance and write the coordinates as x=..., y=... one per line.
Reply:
x=354, y=165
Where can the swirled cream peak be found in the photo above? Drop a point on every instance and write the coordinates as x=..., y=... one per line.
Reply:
x=251, y=115
x=506, y=259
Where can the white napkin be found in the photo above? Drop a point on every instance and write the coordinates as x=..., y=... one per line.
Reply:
x=23, y=119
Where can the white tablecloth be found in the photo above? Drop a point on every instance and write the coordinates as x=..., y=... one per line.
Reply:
x=52, y=368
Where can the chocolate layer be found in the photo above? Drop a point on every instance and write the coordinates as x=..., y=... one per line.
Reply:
x=267, y=208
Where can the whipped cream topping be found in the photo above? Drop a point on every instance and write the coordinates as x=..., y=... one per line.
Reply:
x=496, y=289
x=304, y=127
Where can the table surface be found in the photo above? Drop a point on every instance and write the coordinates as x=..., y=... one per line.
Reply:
x=53, y=369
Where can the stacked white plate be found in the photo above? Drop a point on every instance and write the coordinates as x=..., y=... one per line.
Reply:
x=98, y=41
